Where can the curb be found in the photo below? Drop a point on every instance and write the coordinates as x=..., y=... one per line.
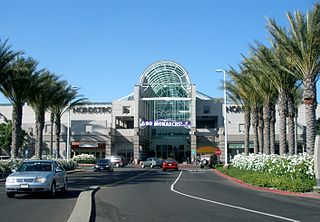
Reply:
x=83, y=210
x=270, y=190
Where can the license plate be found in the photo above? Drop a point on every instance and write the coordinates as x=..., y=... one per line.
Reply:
x=24, y=186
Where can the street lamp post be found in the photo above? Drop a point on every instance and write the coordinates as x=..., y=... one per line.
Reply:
x=68, y=134
x=225, y=116
x=68, y=127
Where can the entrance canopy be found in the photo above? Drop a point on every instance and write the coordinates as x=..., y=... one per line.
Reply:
x=207, y=149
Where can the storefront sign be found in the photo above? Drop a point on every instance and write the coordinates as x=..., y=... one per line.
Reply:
x=92, y=110
x=167, y=123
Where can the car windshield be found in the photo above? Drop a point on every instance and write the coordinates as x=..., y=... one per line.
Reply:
x=35, y=166
x=103, y=161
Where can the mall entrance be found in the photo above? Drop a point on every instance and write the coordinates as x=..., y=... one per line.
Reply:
x=165, y=112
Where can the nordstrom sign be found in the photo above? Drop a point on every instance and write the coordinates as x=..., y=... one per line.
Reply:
x=92, y=110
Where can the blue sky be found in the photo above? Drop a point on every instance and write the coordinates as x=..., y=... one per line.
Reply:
x=103, y=46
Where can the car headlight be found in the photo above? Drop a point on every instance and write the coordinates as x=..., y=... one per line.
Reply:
x=10, y=180
x=41, y=179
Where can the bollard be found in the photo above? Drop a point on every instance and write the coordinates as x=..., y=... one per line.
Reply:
x=317, y=163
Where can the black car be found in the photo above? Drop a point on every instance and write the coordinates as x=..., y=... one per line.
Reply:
x=104, y=164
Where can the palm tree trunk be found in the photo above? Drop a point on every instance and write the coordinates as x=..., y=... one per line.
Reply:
x=266, y=119
x=310, y=102
x=291, y=125
x=283, y=123
x=16, y=130
x=51, y=133
x=57, y=134
x=272, y=129
x=39, y=133
x=255, y=129
x=246, y=131
x=260, y=132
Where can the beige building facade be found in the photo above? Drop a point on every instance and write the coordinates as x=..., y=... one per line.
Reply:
x=165, y=117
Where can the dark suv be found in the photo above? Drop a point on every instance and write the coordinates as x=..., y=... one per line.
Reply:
x=104, y=164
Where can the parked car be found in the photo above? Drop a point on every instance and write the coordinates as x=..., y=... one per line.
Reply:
x=152, y=162
x=117, y=161
x=208, y=160
x=170, y=164
x=37, y=176
x=104, y=164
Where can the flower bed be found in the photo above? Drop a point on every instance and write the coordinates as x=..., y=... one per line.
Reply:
x=291, y=173
x=296, y=166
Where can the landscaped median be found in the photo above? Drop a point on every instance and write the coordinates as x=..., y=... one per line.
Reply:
x=290, y=173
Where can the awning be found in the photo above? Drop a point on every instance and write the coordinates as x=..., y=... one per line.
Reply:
x=207, y=149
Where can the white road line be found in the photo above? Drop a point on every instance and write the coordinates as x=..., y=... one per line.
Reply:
x=227, y=205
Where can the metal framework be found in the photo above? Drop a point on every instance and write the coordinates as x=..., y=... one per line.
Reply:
x=166, y=86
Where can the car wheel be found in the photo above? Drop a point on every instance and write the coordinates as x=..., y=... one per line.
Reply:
x=142, y=166
x=65, y=187
x=204, y=162
x=53, y=190
x=151, y=166
x=10, y=194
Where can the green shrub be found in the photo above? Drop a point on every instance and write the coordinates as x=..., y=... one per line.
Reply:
x=84, y=158
x=68, y=164
x=6, y=166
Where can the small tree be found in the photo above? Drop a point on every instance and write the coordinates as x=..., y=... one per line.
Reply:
x=6, y=137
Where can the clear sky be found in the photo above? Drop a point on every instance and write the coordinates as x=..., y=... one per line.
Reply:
x=104, y=46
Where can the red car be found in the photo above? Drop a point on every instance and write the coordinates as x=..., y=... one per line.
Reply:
x=170, y=165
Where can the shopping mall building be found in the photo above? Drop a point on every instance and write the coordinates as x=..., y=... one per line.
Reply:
x=165, y=116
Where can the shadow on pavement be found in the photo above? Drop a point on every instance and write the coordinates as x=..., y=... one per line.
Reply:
x=59, y=195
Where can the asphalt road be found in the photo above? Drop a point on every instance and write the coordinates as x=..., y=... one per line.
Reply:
x=31, y=208
x=196, y=196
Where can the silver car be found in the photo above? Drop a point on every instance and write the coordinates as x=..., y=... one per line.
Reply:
x=37, y=176
x=152, y=162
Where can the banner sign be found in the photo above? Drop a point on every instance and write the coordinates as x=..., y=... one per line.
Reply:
x=167, y=123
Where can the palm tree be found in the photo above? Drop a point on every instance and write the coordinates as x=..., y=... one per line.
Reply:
x=40, y=103
x=259, y=64
x=256, y=102
x=67, y=99
x=7, y=57
x=240, y=93
x=301, y=46
x=17, y=88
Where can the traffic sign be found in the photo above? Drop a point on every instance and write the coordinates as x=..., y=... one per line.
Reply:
x=217, y=152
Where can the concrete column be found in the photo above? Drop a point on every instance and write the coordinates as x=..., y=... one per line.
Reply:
x=193, y=137
x=222, y=145
x=108, y=142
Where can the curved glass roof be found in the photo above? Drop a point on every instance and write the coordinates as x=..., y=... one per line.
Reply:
x=165, y=79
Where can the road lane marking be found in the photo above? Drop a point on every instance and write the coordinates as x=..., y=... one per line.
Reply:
x=226, y=205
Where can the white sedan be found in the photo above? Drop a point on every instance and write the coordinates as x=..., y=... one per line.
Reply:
x=37, y=176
